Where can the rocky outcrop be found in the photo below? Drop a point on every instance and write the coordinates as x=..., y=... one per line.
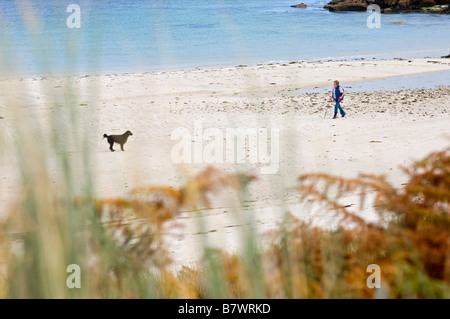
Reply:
x=300, y=5
x=347, y=5
x=391, y=6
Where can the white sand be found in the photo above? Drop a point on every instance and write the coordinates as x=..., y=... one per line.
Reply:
x=382, y=131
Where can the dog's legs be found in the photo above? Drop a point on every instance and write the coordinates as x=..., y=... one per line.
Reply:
x=111, y=146
x=121, y=147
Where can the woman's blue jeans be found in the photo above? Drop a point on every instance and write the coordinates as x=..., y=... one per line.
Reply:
x=338, y=107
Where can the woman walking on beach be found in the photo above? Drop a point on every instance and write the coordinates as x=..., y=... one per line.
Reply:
x=337, y=94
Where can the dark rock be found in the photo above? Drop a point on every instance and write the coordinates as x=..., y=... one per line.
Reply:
x=347, y=5
x=446, y=56
x=427, y=3
x=391, y=6
x=404, y=4
x=300, y=5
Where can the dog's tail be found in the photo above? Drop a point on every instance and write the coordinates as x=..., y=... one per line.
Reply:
x=104, y=135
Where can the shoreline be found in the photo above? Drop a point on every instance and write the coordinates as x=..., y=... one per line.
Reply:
x=323, y=72
x=187, y=68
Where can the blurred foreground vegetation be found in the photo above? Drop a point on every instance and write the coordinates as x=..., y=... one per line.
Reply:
x=119, y=245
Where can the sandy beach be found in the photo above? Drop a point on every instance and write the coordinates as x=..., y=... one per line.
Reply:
x=381, y=132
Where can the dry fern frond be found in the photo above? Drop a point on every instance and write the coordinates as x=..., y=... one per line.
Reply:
x=318, y=186
x=196, y=192
x=420, y=235
x=135, y=223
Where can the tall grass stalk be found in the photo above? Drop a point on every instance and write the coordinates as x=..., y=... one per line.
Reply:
x=119, y=242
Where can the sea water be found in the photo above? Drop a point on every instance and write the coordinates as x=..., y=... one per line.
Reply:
x=152, y=35
x=430, y=80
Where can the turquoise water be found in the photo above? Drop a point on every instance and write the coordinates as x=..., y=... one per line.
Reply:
x=139, y=35
x=431, y=80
